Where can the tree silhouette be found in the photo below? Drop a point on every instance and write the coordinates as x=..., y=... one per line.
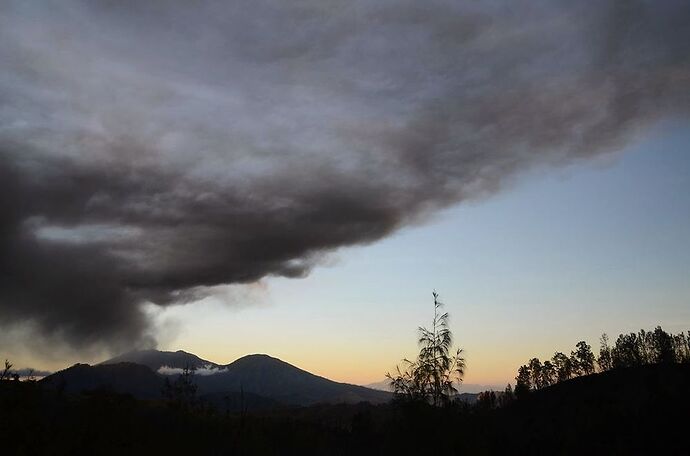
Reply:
x=563, y=366
x=535, y=371
x=507, y=397
x=432, y=377
x=662, y=345
x=575, y=364
x=604, y=360
x=548, y=374
x=585, y=358
x=626, y=352
x=6, y=374
x=681, y=347
x=523, y=382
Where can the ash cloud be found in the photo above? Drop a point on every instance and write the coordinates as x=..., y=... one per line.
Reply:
x=151, y=150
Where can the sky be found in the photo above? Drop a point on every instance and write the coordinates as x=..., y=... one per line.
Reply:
x=561, y=257
x=296, y=178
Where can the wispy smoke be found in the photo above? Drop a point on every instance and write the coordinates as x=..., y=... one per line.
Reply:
x=149, y=150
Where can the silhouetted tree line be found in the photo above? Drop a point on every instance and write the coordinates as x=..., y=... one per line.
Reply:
x=629, y=350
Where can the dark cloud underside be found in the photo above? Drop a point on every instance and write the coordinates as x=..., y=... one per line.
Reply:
x=149, y=150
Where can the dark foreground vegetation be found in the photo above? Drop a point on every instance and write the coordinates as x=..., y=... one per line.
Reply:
x=635, y=410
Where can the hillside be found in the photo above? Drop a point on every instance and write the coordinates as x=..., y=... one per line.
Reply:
x=628, y=411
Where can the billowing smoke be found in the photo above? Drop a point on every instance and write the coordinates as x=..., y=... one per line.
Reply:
x=150, y=150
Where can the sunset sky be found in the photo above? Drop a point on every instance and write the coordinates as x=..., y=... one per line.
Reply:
x=296, y=178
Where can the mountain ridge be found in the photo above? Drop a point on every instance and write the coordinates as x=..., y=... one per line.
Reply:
x=258, y=374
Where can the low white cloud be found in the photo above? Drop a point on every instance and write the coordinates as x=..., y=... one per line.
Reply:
x=203, y=371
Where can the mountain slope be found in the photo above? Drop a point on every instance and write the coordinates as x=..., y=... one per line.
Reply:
x=155, y=359
x=276, y=379
x=639, y=410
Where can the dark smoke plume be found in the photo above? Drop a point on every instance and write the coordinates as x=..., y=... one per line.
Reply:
x=150, y=150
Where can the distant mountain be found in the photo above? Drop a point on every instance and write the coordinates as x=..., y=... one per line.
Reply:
x=383, y=385
x=265, y=380
x=276, y=379
x=155, y=359
x=470, y=398
x=465, y=388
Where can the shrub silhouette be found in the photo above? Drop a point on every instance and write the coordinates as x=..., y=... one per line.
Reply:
x=432, y=376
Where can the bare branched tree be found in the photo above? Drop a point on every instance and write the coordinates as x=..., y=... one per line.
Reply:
x=6, y=373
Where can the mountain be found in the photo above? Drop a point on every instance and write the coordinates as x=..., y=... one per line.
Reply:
x=278, y=380
x=265, y=380
x=155, y=359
